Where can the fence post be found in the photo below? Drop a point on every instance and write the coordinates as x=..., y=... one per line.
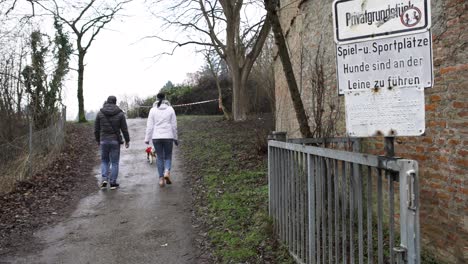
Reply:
x=277, y=136
x=356, y=174
x=30, y=142
x=64, y=122
x=270, y=180
x=389, y=147
x=64, y=115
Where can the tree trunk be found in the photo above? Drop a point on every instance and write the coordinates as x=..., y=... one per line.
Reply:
x=226, y=113
x=301, y=115
x=239, y=100
x=81, y=112
x=214, y=72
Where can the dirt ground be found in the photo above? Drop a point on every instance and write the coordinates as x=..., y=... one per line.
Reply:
x=138, y=223
x=61, y=216
x=50, y=195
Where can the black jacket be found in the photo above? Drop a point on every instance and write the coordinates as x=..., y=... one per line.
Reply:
x=102, y=128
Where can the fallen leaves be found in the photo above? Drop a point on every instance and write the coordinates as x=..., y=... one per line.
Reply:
x=52, y=192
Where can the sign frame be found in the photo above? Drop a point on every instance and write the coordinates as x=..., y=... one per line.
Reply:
x=367, y=36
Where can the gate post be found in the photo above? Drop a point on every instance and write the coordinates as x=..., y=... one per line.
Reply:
x=409, y=212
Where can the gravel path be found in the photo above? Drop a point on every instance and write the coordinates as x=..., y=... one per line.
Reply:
x=138, y=223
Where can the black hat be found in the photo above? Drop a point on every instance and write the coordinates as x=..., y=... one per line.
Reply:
x=111, y=99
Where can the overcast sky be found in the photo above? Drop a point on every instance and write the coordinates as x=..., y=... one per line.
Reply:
x=119, y=62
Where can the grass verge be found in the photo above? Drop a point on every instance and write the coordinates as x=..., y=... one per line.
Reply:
x=230, y=187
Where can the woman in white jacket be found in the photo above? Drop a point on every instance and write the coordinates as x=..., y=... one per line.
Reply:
x=161, y=128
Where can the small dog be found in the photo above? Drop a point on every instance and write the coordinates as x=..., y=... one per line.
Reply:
x=150, y=154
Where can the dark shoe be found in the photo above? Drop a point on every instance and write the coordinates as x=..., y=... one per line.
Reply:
x=114, y=186
x=104, y=184
x=161, y=182
x=167, y=174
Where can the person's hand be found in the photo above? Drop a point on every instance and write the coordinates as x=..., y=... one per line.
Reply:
x=147, y=142
x=127, y=144
x=176, y=142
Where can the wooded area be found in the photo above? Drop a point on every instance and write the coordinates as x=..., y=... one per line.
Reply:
x=33, y=66
x=233, y=36
x=40, y=39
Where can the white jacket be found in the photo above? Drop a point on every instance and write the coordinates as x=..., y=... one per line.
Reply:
x=161, y=123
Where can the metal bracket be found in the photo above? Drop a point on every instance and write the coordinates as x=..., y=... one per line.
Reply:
x=410, y=188
x=400, y=254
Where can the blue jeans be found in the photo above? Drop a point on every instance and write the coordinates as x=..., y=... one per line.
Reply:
x=164, y=151
x=110, y=155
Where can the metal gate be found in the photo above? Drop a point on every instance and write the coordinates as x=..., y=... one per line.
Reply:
x=333, y=206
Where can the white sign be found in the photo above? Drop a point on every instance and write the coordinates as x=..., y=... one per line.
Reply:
x=360, y=20
x=404, y=61
x=385, y=112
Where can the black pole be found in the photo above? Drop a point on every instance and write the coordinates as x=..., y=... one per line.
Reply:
x=391, y=176
x=389, y=147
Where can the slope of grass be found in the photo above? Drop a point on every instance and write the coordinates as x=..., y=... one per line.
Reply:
x=231, y=189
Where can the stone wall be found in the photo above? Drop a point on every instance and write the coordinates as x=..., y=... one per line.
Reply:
x=442, y=152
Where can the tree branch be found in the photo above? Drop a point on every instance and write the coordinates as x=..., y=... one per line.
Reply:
x=82, y=12
x=220, y=48
x=302, y=119
x=260, y=40
x=180, y=44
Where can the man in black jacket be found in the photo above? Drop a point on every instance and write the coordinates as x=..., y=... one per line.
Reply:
x=109, y=122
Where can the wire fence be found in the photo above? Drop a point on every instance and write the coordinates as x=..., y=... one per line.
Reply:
x=31, y=153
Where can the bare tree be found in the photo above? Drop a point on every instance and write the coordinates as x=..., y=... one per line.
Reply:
x=7, y=6
x=225, y=26
x=263, y=73
x=214, y=65
x=325, y=108
x=13, y=53
x=93, y=16
x=272, y=8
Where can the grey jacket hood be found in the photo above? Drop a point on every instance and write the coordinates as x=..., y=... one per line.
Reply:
x=164, y=104
x=110, y=109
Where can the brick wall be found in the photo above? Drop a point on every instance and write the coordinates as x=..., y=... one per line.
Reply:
x=441, y=152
